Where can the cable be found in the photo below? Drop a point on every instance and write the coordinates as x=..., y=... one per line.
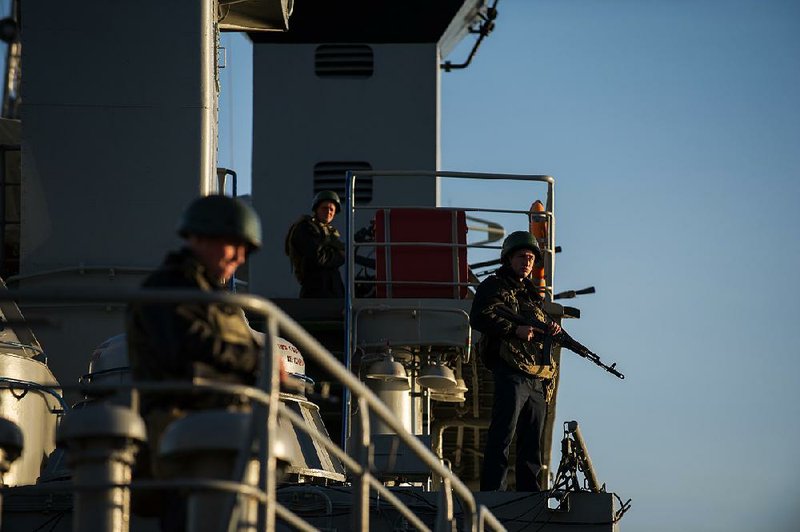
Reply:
x=57, y=521
x=55, y=518
x=542, y=502
x=533, y=521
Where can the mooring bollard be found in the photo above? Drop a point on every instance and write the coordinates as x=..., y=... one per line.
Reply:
x=101, y=441
x=207, y=445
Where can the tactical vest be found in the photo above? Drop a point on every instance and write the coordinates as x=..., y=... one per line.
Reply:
x=526, y=356
x=330, y=235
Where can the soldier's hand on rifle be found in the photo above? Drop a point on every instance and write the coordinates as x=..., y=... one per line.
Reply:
x=525, y=332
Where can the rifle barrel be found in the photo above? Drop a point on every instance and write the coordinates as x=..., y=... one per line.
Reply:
x=563, y=338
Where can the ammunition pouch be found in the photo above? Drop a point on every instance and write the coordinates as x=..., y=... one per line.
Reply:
x=526, y=357
x=295, y=258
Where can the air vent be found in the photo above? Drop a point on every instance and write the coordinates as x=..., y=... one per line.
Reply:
x=332, y=175
x=343, y=61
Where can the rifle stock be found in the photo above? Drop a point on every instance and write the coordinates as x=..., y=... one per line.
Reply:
x=562, y=338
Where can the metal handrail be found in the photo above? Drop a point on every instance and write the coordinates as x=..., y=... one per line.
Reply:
x=418, y=283
x=453, y=209
x=111, y=270
x=406, y=308
x=265, y=395
x=422, y=245
x=449, y=245
x=350, y=180
x=352, y=207
x=19, y=345
x=234, y=487
x=351, y=464
x=460, y=175
x=8, y=383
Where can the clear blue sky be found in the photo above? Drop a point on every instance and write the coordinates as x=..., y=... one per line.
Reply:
x=673, y=130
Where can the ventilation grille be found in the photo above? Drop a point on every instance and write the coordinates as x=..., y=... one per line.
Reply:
x=343, y=61
x=332, y=175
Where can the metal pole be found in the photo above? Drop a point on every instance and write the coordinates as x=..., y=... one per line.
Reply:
x=271, y=385
x=350, y=183
x=207, y=42
x=102, y=441
x=444, y=514
x=361, y=484
x=588, y=467
x=551, y=244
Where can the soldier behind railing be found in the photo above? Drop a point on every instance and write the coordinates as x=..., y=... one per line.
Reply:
x=517, y=358
x=174, y=342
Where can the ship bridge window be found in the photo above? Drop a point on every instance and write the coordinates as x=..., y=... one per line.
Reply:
x=343, y=61
x=331, y=175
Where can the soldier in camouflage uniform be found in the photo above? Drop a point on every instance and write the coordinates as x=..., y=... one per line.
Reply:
x=193, y=340
x=316, y=250
x=519, y=365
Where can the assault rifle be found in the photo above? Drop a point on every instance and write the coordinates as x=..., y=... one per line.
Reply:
x=562, y=338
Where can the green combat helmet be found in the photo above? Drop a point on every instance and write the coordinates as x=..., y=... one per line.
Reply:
x=518, y=240
x=221, y=216
x=326, y=195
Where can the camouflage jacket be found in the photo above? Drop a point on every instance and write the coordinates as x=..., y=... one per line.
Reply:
x=316, y=252
x=499, y=343
x=183, y=341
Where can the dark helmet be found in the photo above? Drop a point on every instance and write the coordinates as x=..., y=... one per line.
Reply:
x=326, y=195
x=221, y=216
x=519, y=240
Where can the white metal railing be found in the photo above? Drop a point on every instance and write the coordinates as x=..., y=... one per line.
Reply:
x=267, y=408
x=352, y=245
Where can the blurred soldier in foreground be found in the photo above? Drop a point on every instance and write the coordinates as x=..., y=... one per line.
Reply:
x=316, y=250
x=520, y=367
x=191, y=340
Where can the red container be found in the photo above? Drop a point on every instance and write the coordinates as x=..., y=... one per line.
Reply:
x=419, y=265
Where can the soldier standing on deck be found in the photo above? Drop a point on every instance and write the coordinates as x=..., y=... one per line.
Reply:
x=316, y=250
x=519, y=365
